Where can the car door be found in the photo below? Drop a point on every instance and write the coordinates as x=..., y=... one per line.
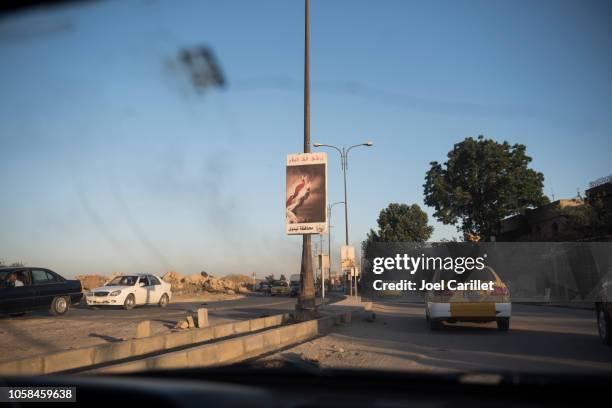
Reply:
x=46, y=287
x=156, y=289
x=16, y=299
x=141, y=291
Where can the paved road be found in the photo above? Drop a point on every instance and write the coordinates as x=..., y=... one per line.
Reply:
x=541, y=339
x=246, y=308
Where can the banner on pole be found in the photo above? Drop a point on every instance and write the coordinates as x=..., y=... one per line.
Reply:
x=347, y=256
x=306, y=194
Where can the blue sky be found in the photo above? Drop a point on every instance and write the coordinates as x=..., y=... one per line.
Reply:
x=112, y=162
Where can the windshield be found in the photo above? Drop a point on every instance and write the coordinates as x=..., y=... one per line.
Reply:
x=429, y=181
x=123, y=281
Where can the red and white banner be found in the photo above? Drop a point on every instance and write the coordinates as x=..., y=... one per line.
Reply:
x=306, y=194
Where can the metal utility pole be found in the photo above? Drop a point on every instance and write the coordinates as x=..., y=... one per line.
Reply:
x=329, y=212
x=322, y=268
x=346, y=240
x=306, y=304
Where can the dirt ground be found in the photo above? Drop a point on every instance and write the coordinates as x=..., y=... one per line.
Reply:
x=353, y=347
x=38, y=332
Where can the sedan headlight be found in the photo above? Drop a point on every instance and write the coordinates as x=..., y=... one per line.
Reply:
x=115, y=293
x=89, y=294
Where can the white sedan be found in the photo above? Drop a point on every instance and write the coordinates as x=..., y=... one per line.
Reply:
x=131, y=290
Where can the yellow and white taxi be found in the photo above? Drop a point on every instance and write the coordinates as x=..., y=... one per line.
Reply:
x=477, y=296
x=280, y=287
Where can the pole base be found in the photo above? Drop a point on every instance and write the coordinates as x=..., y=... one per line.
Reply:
x=302, y=314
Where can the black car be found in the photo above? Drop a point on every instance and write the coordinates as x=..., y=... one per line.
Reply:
x=23, y=289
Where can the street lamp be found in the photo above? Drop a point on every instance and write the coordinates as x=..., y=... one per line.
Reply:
x=344, y=163
x=329, y=212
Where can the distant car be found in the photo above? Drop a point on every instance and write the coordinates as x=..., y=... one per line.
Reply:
x=603, y=307
x=480, y=306
x=264, y=287
x=279, y=287
x=25, y=289
x=128, y=291
x=294, y=289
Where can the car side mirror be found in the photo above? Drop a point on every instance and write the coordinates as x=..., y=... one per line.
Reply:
x=141, y=284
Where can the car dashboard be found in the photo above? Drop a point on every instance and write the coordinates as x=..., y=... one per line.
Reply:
x=247, y=387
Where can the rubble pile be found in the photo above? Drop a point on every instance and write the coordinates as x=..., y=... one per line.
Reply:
x=200, y=283
x=191, y=284
x=89, y=282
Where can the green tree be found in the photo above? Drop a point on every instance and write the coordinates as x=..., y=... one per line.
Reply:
x=480, y=184
x=399, y=223
x=402, y=223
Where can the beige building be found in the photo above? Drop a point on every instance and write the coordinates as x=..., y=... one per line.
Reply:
x=546, y=223
x=574, y=219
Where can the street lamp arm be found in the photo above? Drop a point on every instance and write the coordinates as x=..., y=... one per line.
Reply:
x=367, y=144
x=326, y=145
x=333, y=147
x=346, y=152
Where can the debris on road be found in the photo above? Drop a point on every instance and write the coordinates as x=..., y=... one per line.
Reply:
x=182, y=325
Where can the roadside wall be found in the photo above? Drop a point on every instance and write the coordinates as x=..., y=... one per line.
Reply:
x=100, y=354
x=233, y=350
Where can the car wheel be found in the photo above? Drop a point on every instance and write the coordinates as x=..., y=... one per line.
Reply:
x=163, y=302
x=129, y=302
x=435, y=324
x=604, y=326
x=503, y=324
x=59, y=306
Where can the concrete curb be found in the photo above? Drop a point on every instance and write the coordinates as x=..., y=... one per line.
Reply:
x=234, y=350
x=106, y=353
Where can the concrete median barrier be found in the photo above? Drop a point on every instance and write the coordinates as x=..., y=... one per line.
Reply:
x=189, y=348
x=75, y=359
x=235, y=349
